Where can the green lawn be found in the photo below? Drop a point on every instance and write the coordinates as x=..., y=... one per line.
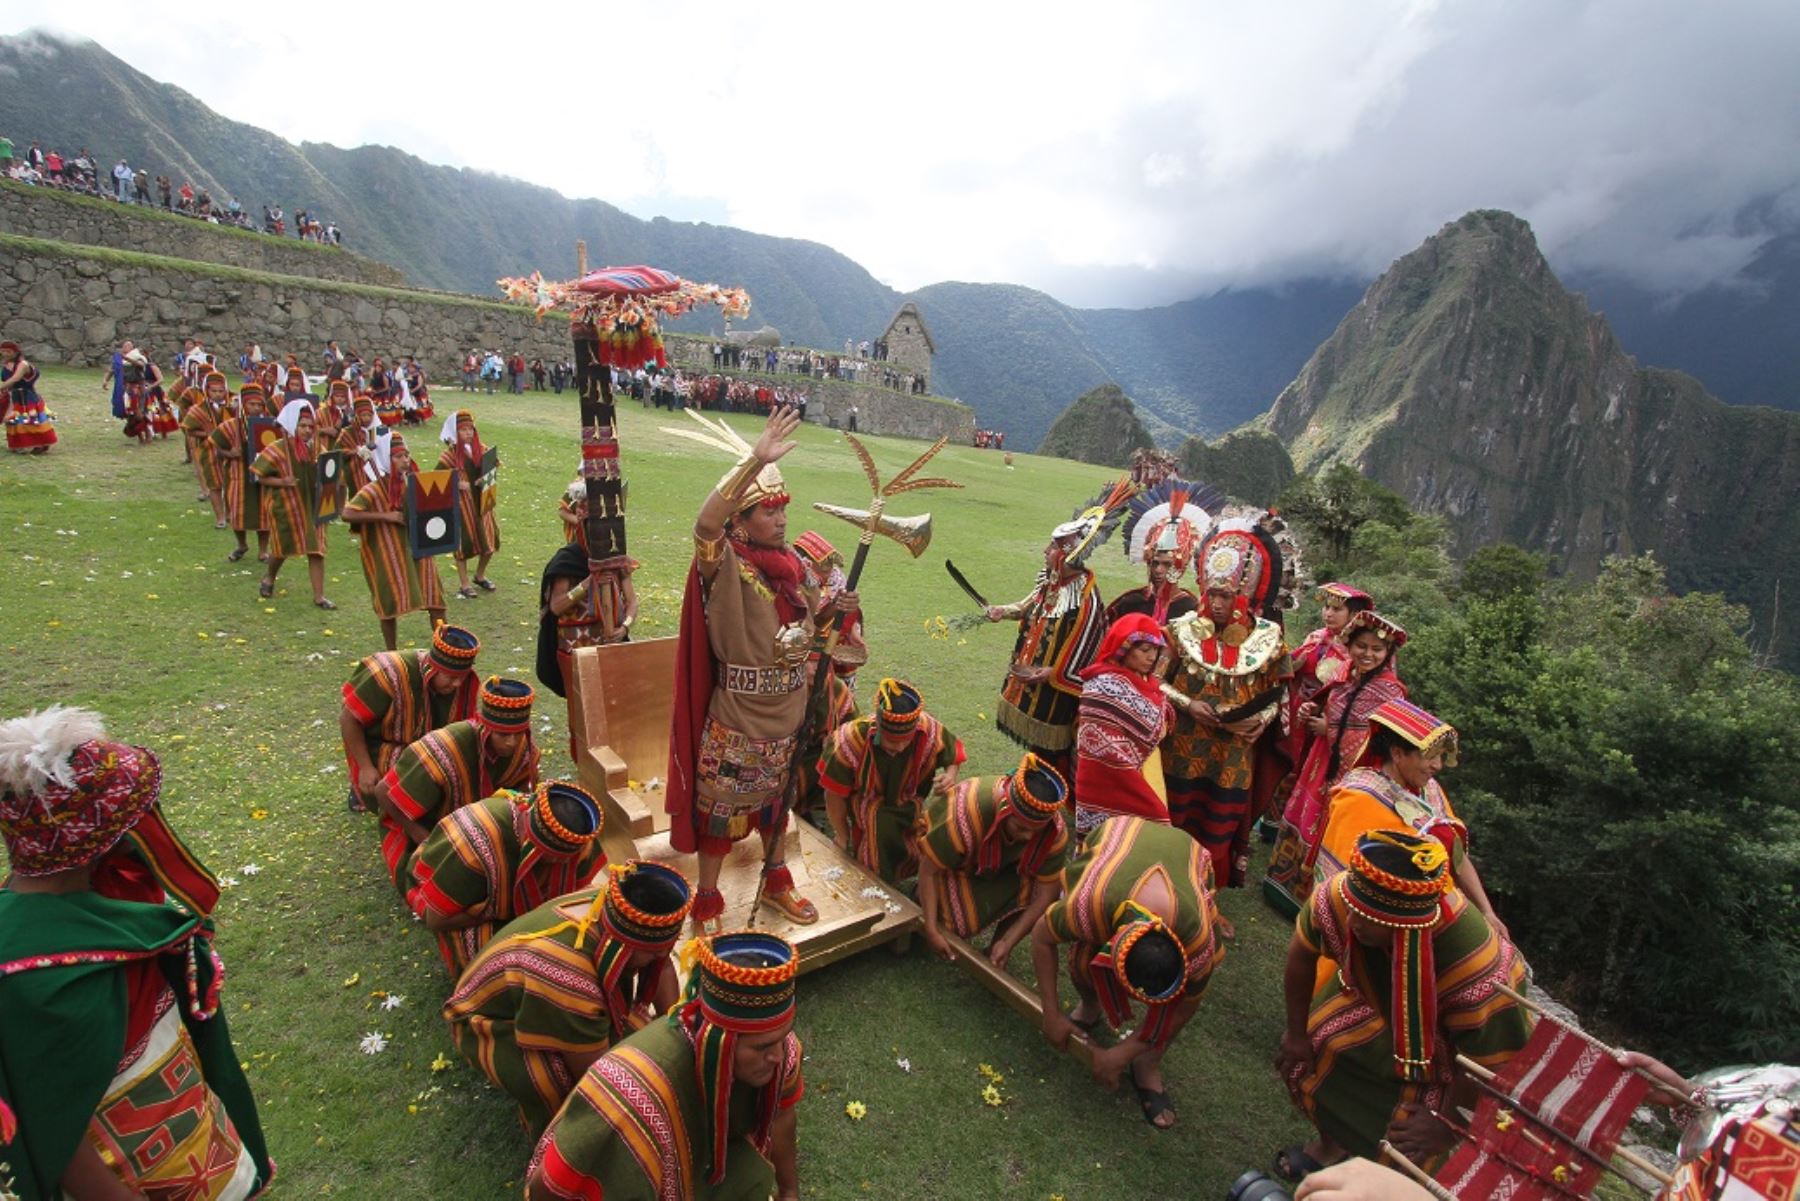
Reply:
x=118, y=596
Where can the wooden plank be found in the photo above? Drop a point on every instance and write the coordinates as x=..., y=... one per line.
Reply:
x=849, y=921
x=1014, y=992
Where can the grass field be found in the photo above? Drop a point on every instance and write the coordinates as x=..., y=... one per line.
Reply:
x=117, y=596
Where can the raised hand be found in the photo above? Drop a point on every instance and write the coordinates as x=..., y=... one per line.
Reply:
x=776, y=438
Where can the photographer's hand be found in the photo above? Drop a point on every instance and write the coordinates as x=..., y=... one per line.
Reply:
x=1359, y=1180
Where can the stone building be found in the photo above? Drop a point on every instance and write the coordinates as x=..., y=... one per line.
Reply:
x=909, y=342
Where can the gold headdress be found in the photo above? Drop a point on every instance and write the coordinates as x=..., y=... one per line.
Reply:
x=744, y=485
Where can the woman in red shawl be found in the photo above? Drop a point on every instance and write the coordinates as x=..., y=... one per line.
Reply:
x=1337, y=719
x=1122, y=717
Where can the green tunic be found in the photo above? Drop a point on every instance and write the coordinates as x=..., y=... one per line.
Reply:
x=290, y=513
x=882, y=790
x=985, y=874
x=634, y=1128
x=1354, y=1088
x=532, y=996
x=67, y=963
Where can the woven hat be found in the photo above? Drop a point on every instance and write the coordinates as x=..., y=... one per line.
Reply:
x=454, y=648
x=1038, y=790
x=1397, y=878
x=898, y=705
x=1426, y=732
x=816, y=550
x=1384, y=628
x=68, y=794
x=1355, y=598
x=553, y=834
x=505, y=706
x=746, y=980
x=645, y=905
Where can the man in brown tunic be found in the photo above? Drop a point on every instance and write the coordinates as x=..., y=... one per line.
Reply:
x=742, y=675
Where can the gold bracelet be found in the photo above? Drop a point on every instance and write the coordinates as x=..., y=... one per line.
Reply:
x=709, y=551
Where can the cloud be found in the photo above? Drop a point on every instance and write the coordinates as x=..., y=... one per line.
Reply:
x=1128, y=154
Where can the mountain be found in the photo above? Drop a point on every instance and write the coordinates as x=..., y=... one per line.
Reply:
x=1017, y=355
x=1469, y=380
x=1249, y=465
x=1101, y=427
x=1202, y=366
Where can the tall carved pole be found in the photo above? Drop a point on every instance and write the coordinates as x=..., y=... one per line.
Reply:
x=604, y=525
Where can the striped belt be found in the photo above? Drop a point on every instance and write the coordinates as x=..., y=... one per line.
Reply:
x=760, y=681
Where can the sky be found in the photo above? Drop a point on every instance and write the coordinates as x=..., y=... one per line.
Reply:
x=1120, y=154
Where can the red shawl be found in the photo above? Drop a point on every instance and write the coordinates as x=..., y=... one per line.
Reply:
x=694, y=668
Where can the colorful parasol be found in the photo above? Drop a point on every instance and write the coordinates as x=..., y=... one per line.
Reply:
x=626, y=306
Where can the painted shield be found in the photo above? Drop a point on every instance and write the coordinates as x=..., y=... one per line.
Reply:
x=331, y=469
x=486, y=495
x=433, y=519
x=260, y=434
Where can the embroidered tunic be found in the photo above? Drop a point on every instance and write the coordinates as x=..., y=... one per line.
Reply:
x=985, y=875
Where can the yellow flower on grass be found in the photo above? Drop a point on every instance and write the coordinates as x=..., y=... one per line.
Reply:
x=442, y=1062
x=856, y=1111
x=257, y=815
x=990, y=1075
x=353, y=979
x=991, y=1096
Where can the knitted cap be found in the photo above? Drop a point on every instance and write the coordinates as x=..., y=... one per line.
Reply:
x=555, y=835
x=898, y=705
x=505, y=705
x=747, y=980
x=454, y=648
x=1396, y=879
x=646, y=904
x=1038, y=790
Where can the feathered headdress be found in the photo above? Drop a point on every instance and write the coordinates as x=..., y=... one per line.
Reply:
x=1094, y=522
x=1172, y=516
x=767, y=488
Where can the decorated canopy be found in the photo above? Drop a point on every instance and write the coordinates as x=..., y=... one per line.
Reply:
x=626, y=306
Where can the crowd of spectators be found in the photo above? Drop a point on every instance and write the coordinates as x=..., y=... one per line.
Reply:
x=858, y=365
x=84, y=174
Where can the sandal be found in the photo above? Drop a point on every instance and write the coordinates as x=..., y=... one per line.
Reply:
x=237, y=554
x=486, y=585
x=265, y=589
x=467, y=593
x=1293, y=1164
x=324, y=604
x=1155, y=1104
x=355, y=803
x=793, y=906
x=1088, y=1027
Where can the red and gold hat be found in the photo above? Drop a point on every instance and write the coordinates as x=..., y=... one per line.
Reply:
x=1426, y=732
x=505, y=706
x=1384, y=628
x=68, y=794
x=1353, y=597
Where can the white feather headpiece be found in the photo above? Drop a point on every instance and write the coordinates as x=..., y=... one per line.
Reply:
x=35, y=749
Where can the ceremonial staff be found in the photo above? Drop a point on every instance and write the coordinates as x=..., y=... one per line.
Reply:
x=914, y=533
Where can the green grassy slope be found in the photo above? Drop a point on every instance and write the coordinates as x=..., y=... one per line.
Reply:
x=118, y=597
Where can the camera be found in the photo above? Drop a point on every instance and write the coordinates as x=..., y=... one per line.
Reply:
x=1256, y=1186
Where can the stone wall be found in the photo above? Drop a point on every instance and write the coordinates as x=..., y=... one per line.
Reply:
x=69, y=304
x=878, y=410
x=31, y=212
